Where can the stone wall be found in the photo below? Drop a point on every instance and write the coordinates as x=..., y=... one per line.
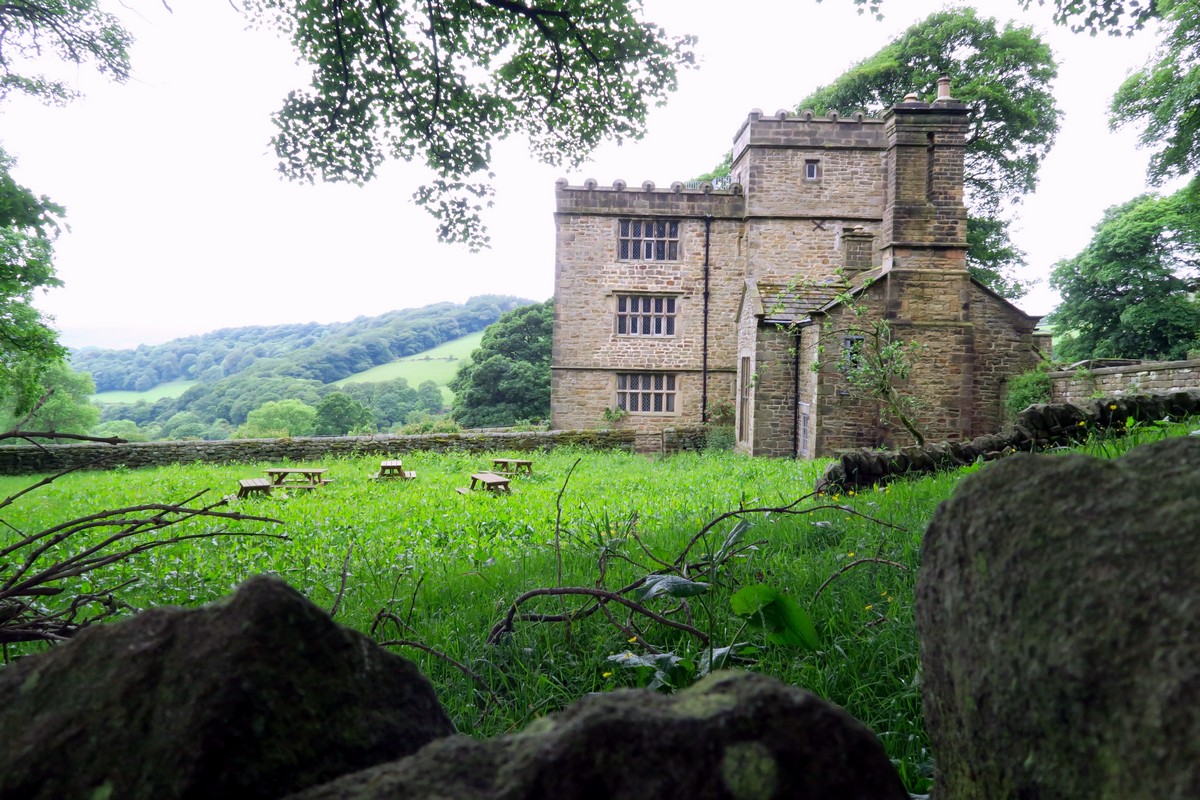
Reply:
x=589, y=275
x=774, y=393
x=25, y=459
x=1152, y=376
x=1005, y=346
x=971, y=342
x=1039, y=427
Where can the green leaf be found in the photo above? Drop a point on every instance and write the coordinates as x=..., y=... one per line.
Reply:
x=780, y=617
x=721, y=657
x=670, y=585
x=731, y=541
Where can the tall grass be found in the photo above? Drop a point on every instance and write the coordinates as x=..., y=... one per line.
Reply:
x=416, y=562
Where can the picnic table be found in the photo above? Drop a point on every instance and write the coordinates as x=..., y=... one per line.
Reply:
x=297, y=477
x=513, y=466
x=249, y=486
x=394, y=469
x=488, y=480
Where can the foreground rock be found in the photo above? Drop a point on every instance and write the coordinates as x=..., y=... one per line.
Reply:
x=736, y=736
x=1058, y=609
x=253, y=698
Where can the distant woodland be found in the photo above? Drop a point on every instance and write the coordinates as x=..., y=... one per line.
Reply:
x=241, y=370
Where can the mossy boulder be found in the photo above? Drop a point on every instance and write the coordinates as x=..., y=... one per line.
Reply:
x=255, y=697
x=734, y=736
x=1058, y=609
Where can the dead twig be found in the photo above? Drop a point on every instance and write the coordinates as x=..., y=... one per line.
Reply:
x=506, y=624
x=342, y=589
x=854, y=564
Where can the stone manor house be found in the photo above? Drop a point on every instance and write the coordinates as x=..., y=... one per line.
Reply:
x=672, y=305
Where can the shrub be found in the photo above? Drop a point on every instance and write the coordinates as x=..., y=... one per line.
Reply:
x=1027, y=389
x=719, y=437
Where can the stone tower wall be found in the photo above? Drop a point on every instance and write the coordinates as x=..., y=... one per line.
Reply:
x=794, y=220
x=587, y=350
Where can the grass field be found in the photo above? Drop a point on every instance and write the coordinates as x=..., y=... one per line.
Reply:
x=169, y=389
x=439, y=365
x=832, y=577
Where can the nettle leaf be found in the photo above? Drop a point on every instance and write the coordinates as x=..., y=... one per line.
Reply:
x=669, y=585
x=780, y=617
x=721, y=657
x=630, y=659
x=670, y=671
x=731, y=541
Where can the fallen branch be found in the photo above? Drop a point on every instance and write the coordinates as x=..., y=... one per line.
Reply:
x=506, y=624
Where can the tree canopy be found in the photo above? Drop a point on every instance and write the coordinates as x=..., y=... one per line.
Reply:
x=340, y=414
x=69, y=31
x=279, y=418
x=441, y=83
x=29, y=224
x=1131, y=292
x=33, y=35
x=508, y=378
x=1162, y=96
x=1092, y=16
x=66, y=408
x=1005, y=75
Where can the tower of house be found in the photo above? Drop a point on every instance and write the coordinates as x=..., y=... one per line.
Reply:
x=672, y=304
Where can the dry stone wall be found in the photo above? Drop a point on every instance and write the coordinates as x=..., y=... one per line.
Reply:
x=1155, y=376
x=26, y=459
x=1039, y=427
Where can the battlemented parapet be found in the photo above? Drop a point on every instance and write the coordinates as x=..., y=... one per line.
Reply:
x=676, y=201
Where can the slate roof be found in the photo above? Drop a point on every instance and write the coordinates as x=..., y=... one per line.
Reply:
x=787, y=304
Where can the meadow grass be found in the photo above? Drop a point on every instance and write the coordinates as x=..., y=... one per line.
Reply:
x=151, y=395
x=424, y=565
x=439, y=364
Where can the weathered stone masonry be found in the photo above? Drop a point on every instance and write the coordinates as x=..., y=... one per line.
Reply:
x=812, y=202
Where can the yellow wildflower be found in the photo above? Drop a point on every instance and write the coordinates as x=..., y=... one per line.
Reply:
x=606, y=675
x=850, y=554
x=631, y=639
x=868, y=608
x=1112, y=406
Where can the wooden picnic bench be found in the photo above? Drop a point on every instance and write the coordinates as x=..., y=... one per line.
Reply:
x=513, y=466
x=487, y=480
x=394, y=469
x=297, y=477
x=249, y=486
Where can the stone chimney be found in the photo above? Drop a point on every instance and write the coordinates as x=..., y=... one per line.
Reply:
x=943, y=89
x=858, y=249
x=925, y=220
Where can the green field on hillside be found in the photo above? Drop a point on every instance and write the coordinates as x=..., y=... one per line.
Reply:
x=168, y=389
x=439, y=365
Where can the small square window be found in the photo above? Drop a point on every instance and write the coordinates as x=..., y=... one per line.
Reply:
x=852, y=353
x=812, y=169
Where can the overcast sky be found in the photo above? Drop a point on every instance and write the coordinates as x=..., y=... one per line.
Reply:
x=180, y=225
